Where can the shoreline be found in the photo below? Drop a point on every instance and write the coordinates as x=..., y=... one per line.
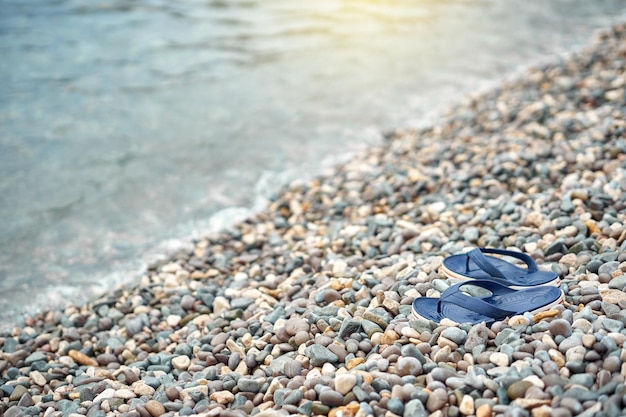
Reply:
x=304, y=308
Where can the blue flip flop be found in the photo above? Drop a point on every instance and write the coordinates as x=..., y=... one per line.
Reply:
x=476, y=265
x=502, y=302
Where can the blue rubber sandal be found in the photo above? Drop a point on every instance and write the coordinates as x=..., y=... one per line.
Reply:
x=502, y=302
x=476, y=265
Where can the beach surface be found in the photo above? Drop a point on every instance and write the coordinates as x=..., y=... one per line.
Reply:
x=305, y=308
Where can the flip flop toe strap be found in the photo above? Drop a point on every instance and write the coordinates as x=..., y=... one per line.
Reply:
x=483, y=263
x=478, y=257
x=454, y=296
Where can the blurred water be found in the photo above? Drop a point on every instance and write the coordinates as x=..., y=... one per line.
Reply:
x=128, y=125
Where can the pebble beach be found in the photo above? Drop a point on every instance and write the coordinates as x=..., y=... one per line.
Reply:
x=305, y=308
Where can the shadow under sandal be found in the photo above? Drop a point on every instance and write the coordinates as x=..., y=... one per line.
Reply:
x=502, y=302
x=476, y=265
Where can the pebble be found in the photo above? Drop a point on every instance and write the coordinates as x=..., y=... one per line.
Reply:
x=455, y=334
x=331, y=398
x=344, y=383
x=466, y=406
x=155, y=408
x=499, y=359
x=560, y=327
x=292, y=368
x=415, y=408
x=181, y=362
x=436, y=400
x=320, y=355
x=409, y=366
x=618, y=283
x=518, y=389
x=305, y=307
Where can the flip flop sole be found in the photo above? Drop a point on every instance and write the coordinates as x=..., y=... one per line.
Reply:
x=434, y=301
x=455, y=275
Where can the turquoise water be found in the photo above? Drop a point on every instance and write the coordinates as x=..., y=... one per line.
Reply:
x=128, y=126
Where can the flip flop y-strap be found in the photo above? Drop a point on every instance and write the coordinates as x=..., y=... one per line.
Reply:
x=476, y=255
x=454, y=296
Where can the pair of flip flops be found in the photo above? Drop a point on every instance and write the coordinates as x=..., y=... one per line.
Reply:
x=511, y=290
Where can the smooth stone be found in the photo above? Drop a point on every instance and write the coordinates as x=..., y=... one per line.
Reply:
x=248, y=385
x=455, y=334
x=569, y=343
x=320, y=355
x=409, y=366
x=560, y=327
x=466, y=406
x=414, y=408
x=586, y=380
x=331, y=398
x=410, y=350
x=348, y=327
x=294, y=397
x=316, y=409
x=35, y=357
x=437, y=399
x=369, y=327
x=611, y=325
x=499, y=359
x=612, y=364
x=485, y=410
x=572, y=404
x=561, y=412
x=292, y=368
x=594, y=265
x=608, y=268
x=14, y=411
x=181, y=362
x=581, y=394
x=618, y=283
x=155, y=408
x=17, y=393
x=518, y=389
x=506, y=336
x=345, y=382
x=396, y=406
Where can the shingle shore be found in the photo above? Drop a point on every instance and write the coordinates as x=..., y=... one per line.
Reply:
x=305, y=307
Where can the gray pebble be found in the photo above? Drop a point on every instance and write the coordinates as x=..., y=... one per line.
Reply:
x=455, y=334
x=560, y=327
x=414, y=408
x=320, y=355
x=331, y=398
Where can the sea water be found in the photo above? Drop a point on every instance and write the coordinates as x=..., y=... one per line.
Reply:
x=129, y=126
